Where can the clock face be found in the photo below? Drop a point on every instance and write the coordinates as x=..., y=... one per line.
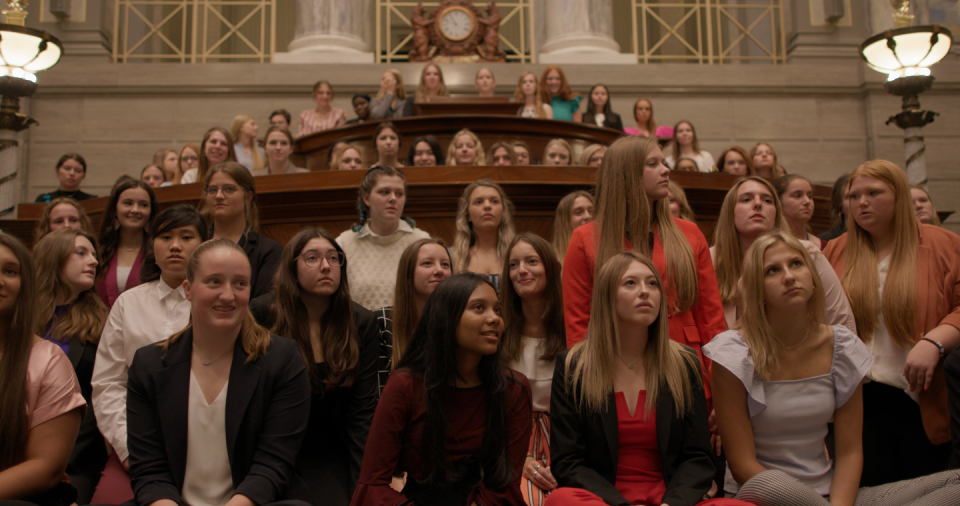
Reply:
x=456, y=24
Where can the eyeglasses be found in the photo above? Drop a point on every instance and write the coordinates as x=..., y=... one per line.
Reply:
x=313, y=258
x=190, y=159
x=227, y=189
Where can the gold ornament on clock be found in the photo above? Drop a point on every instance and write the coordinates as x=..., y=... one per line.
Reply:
x=456, y=31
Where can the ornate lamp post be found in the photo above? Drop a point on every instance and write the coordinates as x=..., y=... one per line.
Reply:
x=905, y=55
x=23, y=51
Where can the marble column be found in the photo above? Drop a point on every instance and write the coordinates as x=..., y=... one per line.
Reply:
x=579, y=31
x=331, y=31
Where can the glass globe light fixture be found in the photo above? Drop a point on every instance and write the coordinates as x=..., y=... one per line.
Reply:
x=907, y=52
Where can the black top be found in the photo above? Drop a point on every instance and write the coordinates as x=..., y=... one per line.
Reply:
x=77, y=195
x=268, y=402
x=264, y=254
x=90, y=452
x=611, y=121
x=584, y=445
x=354, y=121
x=328, y=465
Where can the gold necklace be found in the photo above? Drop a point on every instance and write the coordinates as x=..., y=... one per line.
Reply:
x=805, y=334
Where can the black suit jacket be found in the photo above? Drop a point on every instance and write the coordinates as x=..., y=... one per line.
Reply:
x=612, y=121
x=264, y=254
x=90, y=452
x=584, y=445
x=268, y=403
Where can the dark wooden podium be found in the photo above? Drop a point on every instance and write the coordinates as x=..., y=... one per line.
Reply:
x=467, y=104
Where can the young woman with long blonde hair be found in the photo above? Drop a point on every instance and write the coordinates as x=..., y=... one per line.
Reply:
x=528, y=93
x=484, y=230
x=466, y=149
x=431, y=83
x=249, y=153
x=643, y=114
x=575, y=209
x=392, y=100
x=901, y=277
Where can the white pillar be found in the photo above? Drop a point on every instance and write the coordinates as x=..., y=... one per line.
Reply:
x=916, y=163
x=331, y=31
x=580, y=31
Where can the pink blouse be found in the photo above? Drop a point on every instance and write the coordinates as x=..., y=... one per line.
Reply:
x=52, y=386
x=311, y=124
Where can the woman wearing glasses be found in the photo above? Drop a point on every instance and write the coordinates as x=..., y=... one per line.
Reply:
x=338, y=339
x=374, y=246
x=230, y=207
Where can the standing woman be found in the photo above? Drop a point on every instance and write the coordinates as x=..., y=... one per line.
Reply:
x=599, y=112
x=124, y=238
x=765, y=161
x=627, y=409
x=431, y=83
x=686, y=145
x=279, y=145
x=218, y=410
x=736, y=161
x=71, y=316
x=751, y=209
x=465, y=149
x=528, y=93
x=41, y=406
x=392, y=100
x=248, y=151
x=310, y=304
x=555, y=90
x=324, y=116
x=484, y=230
x=533, y=335
x=230, y=206
x=62, y=212
x=901, y=277
x=375, y=246
x=796, y=196
x=423, y=265
x=425, y=152
x=452, y=417
x=557, y=152
x=144, y=315
x=923, y=206
x=216, y=148
x=71, y=171
x=575, y=209
x=643, y=113
x=189, y=160
x=386, y=142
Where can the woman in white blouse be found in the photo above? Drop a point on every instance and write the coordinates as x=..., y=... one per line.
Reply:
x=686, y=145
x=143, y=315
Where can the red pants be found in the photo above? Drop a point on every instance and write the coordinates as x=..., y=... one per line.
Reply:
x=569, y=496
x=114, y=486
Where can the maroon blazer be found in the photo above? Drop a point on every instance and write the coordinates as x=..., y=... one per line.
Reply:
x=107, y=285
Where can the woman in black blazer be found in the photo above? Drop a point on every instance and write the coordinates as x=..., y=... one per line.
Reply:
x=627, y=412
x=222, y=367
x=599, y=105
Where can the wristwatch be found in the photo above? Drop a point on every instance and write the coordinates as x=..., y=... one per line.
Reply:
x=938, y=345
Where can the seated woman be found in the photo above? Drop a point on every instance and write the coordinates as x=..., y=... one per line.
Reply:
x=686, y=145
x=425, y=152
x=923, y=206
x=392, y=100
x=451, y=417
x=592, y=155
x=575, y=209
x=376, y=244
x=169, y=162
x=533, y=335
x=62, y=212
x=248, y=150
x=679, y=207
x=311, y=305
x=781, y=377
x=324, y=116
x=41, y=407
x=555, y=90
x=189, y=160
x=502, y=154
x=643, y=114
x=361, y=106
x=736, y=161
x=751, y=209
x=765, y=161
x=484, y=82
x=839, y=209
x=523, y=152
x=528, y=93
x=386, y=143
x=124, y=238
x=423, y=265
x=216, y=148
x=278, y=144
x=484, y=230
x=153, y=176
x=599, y=112
x=280, y=118
x=216, y=412
x=465, y=149
x=431, y=83
x=628, y=416
x=557, y=152
x=796, y=196
x=71, y=316
x=348, y=157
x=686, y=165
x=71, y=170
x=230, y=207
x=144, y=315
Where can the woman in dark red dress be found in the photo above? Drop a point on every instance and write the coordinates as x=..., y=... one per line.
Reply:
x=451, y=416
x=628, y=412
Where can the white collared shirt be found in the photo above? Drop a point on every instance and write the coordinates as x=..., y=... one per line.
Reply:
x=143, y=315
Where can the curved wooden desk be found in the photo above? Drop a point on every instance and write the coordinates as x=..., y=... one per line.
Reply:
x=329, y=199
x=311, y=151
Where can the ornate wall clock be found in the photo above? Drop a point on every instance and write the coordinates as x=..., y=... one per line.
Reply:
x=456, y=31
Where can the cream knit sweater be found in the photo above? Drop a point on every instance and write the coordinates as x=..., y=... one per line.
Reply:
x=372, y=262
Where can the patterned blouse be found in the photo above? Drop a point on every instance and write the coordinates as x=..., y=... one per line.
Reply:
x=311, y=124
